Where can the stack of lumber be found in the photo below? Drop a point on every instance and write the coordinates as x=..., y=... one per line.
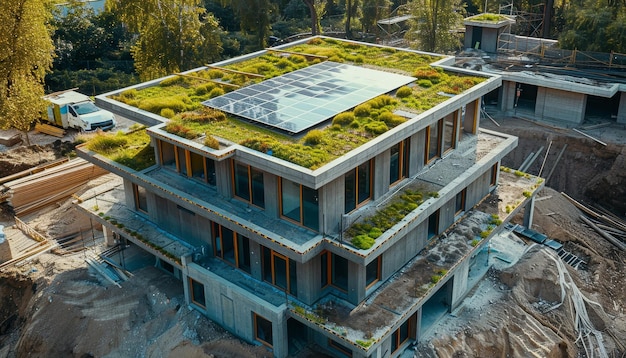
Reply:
x=605, y=223
x=51, y=130
x=30, y=193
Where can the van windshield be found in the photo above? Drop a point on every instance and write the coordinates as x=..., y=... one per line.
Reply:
x=85, y=107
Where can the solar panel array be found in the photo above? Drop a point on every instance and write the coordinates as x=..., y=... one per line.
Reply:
x=304, y=98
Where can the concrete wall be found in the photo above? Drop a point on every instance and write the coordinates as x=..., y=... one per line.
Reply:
x=621, y=112
x=234, y=308
x=459, y=284
x=567, y=107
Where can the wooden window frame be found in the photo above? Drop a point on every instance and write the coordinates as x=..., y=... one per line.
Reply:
x=493, y=180
x=136, y=198
x=300, y=205
x=339, y=347
x=403, y=161
x=250, y=184
x=218, y=235
x=161, y=154
x=332, y=270
x=192, y=295
x=328, y=282
x=274, y=254
x=358, y=204
x=256, y=330
x=427, y=158
x=410, y=322
x=455, y=122
x=463, y=194
x=379, y=272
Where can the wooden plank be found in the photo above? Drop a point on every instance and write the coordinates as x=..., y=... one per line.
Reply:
x=588, y=136
x=51, y=130
x=617, y=243
x=33, y=170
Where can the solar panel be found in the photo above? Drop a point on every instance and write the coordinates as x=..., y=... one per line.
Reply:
x=307, y=97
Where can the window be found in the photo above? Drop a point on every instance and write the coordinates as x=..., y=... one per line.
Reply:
x=494, y=175
x=358, y=186
x=340, y=347
x=187, y=163
x=141, y=200
x=231, y=247
x=299, y=203
x=168, y=155
x=263, y=330
x=433, y=141
x=399, y=161
x=339, y=272
x=459, y=205
x=280, y=271
x=450, y=129
x=401, y=334
x=433, y=225
x=197, y=293
x=248, y=183
x=202, y=168
x=373, y=272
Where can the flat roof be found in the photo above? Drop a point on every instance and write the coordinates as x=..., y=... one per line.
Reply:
x=307, y=97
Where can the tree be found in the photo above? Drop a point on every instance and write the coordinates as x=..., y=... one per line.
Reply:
x=25, y=56
x=433, y=24
x=374, y=10
x=174, y=35
x=594, y=26
x=255, y=17
x=317, y=8
x=352, y=9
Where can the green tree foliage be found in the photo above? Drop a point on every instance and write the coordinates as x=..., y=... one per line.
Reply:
x=174, y=35
x=352, y=11
x=374, y=10
x=594, y=26
x=25, y=56
x=433, y=24
x=255, y=17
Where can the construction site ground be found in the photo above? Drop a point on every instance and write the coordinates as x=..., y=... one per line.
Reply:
x=57, y=306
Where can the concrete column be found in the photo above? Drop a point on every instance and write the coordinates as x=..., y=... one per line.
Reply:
x=472, y=113
x=459, y=284
x=109, y=238
x=418, y=325
x=621, y=112
x=529, y=212
x=356, y=284
x=280, y=341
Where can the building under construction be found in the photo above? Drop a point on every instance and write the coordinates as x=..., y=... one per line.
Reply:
x=359, y=254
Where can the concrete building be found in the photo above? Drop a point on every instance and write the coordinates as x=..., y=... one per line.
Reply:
x=266, y=247
x=545, y=83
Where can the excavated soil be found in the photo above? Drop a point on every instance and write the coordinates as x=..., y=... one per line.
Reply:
x=55, y=306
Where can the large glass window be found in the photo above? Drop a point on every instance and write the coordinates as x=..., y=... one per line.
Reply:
x=339, y=272
x=358, y=186
x=248, y=183
x=401, y=334
x=181, y=161
x=231, y=247
x=459, y=205
x=373, y=272
x=197, y=292
x=340, y=347
x=399, y=161
x=263, y=330
x=299, y=203
x=141, y=200
x=168, y=155
x=450, y=129
x=280, y=271
x=433, y=225
x=433, y=141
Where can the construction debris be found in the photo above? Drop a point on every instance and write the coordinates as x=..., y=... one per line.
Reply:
x=32, y=192
x=51, y=130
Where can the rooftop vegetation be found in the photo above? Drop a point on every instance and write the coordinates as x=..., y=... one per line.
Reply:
x=130, y=149
x=179, y=99
x=364, y=233
x=492, y=18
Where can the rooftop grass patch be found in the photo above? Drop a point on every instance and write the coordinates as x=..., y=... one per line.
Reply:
x=364, y=233
x=492, y=18
x=130, y=149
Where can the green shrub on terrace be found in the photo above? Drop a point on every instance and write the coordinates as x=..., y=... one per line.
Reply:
x=519, y=173
x=362, y=110
x=363, y=242
x=391, y=119
x=376, y=127
x=181, y=130
x=314, y=137
x=171, y=81
x=425, y=83
x=178, y=103
x=404, y=91
x=205, y=89
x=129, y=94
x=106, y=144
x=527, y=193
x=475, y=242
x=374, y=226
x=167, y=113
x=344, y=118
x=211, y=142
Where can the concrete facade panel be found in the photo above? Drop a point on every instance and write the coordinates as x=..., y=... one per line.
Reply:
x=568, y=107
x=621, y=112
